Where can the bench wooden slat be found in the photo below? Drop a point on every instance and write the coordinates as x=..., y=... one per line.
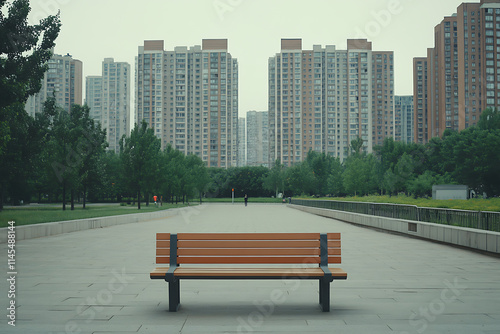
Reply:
x=246, y=260
x=248, y=236
x=334, y=259
x=163, y=236
x=332, y=244
x=333, y=236
x=247, y=244
x=163, y=252
x=246, y=251
x=163, y=244
x=163, y=260
x=334, y=251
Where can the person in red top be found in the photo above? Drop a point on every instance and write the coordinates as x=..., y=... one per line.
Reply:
x=155, y=198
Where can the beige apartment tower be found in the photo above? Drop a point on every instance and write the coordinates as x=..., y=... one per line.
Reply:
x=189, y=97
x=64, y=77
x=322, y=99
x=108, y=97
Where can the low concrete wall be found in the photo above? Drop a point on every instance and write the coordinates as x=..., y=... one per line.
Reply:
x=471, y=238
x=48, y=229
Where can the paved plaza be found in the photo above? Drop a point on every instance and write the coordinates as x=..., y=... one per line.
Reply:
x=97, y=281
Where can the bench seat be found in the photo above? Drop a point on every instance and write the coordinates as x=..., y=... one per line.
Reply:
x=247, y=273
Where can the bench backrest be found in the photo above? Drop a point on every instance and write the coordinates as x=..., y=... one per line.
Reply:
x=248, y=248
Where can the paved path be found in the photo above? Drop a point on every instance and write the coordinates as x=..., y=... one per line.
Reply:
x=97, y=281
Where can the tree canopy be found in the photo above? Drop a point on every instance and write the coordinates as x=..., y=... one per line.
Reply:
x=24, y=52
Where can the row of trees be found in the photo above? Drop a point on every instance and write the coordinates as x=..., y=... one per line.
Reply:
x=469, y=157
x=59, y=156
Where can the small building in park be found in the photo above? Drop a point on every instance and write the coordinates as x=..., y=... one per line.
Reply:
x=450, y=191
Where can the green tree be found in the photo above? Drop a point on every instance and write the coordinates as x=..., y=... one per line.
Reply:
x=139, y=154
x=61, y=158
x=166, y=175
x=389, y=153
x=179, y=175
x=321, y=166
x=490, y=119
x=355, y=176
x=335, y=185
x=24, y=52
x=476, y=160
x=357, y=145
x=199, y=171
x=421, y=186
x=300, y=179
x=76, y=147
x=404, y=172
x=389, y=182
x=113, y=182
x=20, y=158
x=276, y=178
x=89, y=144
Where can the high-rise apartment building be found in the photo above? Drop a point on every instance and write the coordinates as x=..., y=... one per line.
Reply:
x=322, y=99
x=64, y=77
x=257, y=138
x=403, y=125
x=462, y=71
x=479, y=61
x=189, y=97
x=420, y=103
x=242, y=142
x=108, y=97
x=93, y=96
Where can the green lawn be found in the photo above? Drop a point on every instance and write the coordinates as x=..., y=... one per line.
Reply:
x=491, y=204
x=26, y=215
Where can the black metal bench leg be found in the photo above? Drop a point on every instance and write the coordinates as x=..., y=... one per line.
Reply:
x=324, y=295
x=174, y=296
x=320, y=293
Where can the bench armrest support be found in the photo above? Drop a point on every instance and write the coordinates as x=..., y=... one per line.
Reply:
x=324, y=257
x=169, y=275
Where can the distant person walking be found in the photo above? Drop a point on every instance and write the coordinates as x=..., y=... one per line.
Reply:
x=246, y=199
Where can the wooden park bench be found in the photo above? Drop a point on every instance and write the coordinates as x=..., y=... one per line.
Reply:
x=310, y=253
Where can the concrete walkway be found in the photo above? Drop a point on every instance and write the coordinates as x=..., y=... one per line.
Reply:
x=97, y=281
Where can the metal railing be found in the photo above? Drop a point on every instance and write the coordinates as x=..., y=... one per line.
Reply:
x=483, y=220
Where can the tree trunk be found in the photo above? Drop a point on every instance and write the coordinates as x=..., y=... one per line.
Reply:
x=84, y=196
x=72, y=199
x=147, y=199
x=139, y=199
x=64, y=195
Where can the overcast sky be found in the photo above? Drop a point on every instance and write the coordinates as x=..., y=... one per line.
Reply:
x=96, y=29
